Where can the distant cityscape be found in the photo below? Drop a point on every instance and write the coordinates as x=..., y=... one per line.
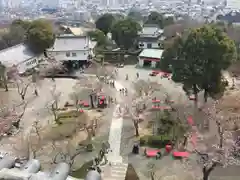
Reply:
x=84, y=10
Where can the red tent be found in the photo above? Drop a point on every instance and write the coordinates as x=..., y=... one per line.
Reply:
x=103, y=97
x=190, y=120
x=152, y=152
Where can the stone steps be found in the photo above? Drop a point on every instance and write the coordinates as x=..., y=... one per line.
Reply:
x=115, y=171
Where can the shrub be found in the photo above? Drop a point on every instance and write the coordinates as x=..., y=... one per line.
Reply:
x=144, y=140
x=156, y=141
x=159, y=141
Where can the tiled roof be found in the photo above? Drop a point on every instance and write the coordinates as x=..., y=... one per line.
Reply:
x=69, y=43
x=150, y=32
x=15, y=55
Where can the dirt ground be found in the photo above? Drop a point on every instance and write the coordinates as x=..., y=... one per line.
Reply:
x=167, y=168
x=38, y=110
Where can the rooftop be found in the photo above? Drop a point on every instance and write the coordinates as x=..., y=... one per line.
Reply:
x=15, y=55
x=150, y=32
x=151, y=53
x=70, y=43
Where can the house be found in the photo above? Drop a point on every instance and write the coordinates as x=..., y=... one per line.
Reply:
x=150, y=37
x=150, y=57
x=77, y=49
x=19, y=56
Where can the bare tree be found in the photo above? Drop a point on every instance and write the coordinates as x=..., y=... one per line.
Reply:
x=91, y=132
x=3, y=77
x=20, y=116
x=22, y=88
x=65, y=153
x=220, y=133
x=28, y=145
x=151, y=172
x=53, y=104
x=87, y=86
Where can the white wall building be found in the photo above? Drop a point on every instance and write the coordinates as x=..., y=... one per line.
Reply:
x=150, y=37
x=72, y=48
x=150, y=57
x=20, y=57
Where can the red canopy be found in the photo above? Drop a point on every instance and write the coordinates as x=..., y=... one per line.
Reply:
x=180, y=154
x=152, y=152
x=156, y=101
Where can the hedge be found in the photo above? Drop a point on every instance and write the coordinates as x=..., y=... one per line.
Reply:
x=155, y=141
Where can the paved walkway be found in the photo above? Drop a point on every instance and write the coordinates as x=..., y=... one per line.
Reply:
x=116, y=169
x=116, y=130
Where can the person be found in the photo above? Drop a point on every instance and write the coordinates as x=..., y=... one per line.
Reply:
x=137, y=75
x=126, y=76
x=96, y=161
x=113, y=84
x=35, y=92
x=159, y=155
x=126, y=91
x=119, y=109
x=144, y=106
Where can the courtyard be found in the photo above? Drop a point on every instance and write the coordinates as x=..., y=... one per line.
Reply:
x=113, y=125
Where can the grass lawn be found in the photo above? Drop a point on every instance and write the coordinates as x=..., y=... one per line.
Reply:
x=72, y=122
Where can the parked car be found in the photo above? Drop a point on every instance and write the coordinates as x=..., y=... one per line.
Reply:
x=120, y=65
x=192, y=97
x=154, y=73
x=165, y=75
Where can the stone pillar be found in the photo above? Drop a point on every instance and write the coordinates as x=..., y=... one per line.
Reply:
x=140, y=62
x=153, y=64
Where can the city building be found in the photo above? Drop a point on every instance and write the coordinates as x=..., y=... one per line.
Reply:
x=150, y=57
x=51, y=4
x=19, y=56
x=81, y=16
x=231, y=17
x=150, y=37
